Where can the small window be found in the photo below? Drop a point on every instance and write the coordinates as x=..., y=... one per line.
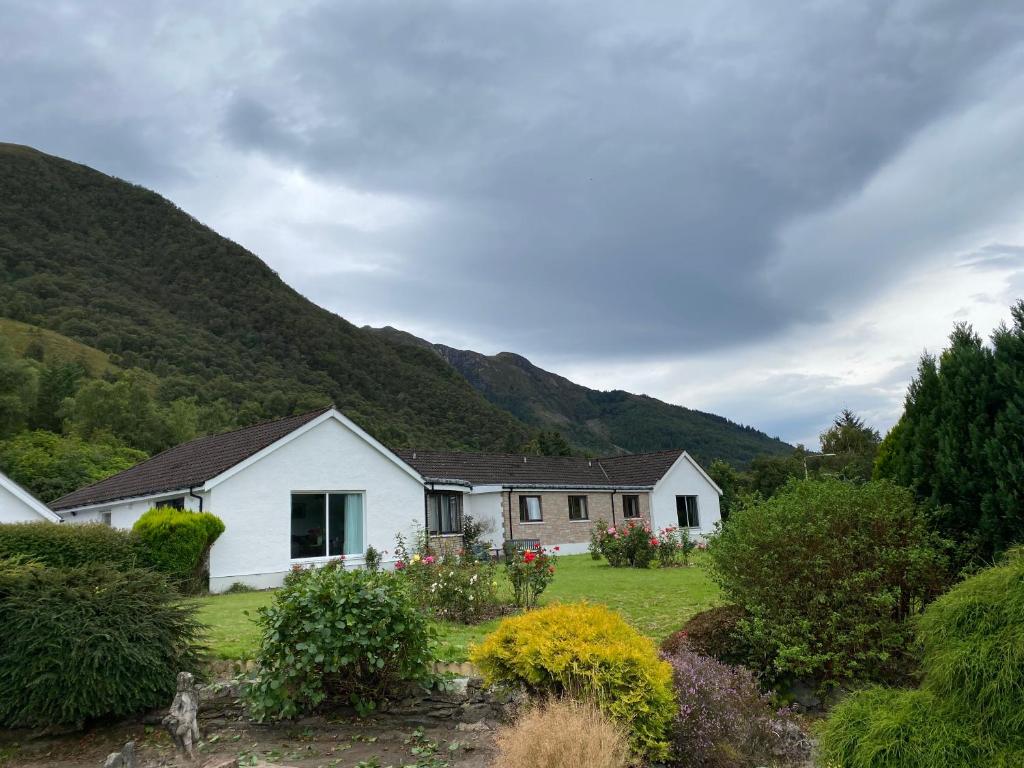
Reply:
x=444, y=512
x=177, y=502
x=630, y=506
x=105, y=518
x=686, y=512
x=529, y=509
x=327, y=524
x=578, y=508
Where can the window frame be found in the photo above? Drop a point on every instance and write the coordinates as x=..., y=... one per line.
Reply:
x=459, y=513
x=524, y=509
x=687, y=509
x=327, y=523
x=636, y=498
x=581, y=498
x=175, y=502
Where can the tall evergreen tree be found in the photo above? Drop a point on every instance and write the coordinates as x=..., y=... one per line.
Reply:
x=1003, y=506
x=854, y=444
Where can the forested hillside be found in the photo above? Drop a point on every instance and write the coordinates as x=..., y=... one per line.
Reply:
x=600, y=422
x=126, y=326
x=121, y=269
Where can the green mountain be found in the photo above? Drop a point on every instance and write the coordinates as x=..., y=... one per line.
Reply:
x=598, y=422
x=119, y=268
x=150, y=300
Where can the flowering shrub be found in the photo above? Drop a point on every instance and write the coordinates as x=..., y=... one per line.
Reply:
x=724, y=719
x=590, y=652
x=596, y=534
x=631, y=544
x=451, y=588
x=530, y=572
x=715, y=632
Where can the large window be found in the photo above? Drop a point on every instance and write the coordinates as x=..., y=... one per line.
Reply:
x=444, y=512
x=578, y=508
x=529, y=509
x=176, y=503
x=327, y=524
x=686, y=512
x=630, y=505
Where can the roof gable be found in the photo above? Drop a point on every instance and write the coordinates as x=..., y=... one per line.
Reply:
x=187, y=465
x=29, y=500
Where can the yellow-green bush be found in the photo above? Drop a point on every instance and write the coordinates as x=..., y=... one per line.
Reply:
x=969, y=710
x=591, y=653
x=176, y=541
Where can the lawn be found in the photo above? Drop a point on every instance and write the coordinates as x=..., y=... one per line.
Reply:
x=655, y=601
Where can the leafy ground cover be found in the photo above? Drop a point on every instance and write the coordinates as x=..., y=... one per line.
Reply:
x=655, y=601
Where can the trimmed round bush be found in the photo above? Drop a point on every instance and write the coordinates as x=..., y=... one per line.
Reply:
x=715, y=632
x=68, y=546
x=588, y=652
x=830, y=573
x=969, y=710
x=89, y=642
x=176, y=542
x=333, y=636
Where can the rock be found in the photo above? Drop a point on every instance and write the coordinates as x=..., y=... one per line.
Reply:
x=181, y=721
x=805, y=695
x=123, y=759
x=479, y=725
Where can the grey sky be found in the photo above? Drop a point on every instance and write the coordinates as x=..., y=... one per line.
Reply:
x=762, y=209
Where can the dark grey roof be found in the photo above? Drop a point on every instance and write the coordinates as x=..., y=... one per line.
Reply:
x=635, y=470
x=187, y=465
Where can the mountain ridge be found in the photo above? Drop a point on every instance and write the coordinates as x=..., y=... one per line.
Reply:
x=123, y=270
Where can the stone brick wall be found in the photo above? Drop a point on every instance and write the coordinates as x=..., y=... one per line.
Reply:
x=556, y=527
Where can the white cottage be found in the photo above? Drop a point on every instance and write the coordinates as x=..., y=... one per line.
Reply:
x=308, y=488
x=19, y=506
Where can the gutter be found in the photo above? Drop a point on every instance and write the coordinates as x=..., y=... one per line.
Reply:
x=196, y=496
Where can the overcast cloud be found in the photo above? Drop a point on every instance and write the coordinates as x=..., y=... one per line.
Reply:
x=766, y=210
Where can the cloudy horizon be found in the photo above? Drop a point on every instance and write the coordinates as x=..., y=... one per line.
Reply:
x=767, y=215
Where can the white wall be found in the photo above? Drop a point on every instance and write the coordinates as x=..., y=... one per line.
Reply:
x=486, y=507
x=14, y=510
x=123, y=514
x=255, y=503
x=683, y=479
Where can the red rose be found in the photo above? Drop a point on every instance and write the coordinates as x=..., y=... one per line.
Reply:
x=654, y=542
x=529, y=556
x=556, y=549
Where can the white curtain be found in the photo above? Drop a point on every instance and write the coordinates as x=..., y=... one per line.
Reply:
x=354, y=544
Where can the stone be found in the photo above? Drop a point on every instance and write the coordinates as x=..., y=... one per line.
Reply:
x=480, y=725
x=123, y=759
x=181, y=721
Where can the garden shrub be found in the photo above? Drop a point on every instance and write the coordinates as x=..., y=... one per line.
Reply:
x=724, y=719
x=969, y=710
x=333, y=636
x=530, y=572
x=830, y=573
x=88, y=642
x=66, y=545
x=452, y=588
x=590, y=653
x=177, y=543
x=715, y=632
x=562, y=733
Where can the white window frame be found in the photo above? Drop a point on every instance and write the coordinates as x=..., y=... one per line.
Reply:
x=327, y=522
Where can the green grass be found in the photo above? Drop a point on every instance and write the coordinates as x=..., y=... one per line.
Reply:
x=655, y=601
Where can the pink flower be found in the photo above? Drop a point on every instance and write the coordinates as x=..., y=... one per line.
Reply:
x=400, y=565
x=428, y=560
x=611, y=531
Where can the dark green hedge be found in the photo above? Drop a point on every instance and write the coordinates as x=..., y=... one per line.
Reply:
x=69, y=545
x=88, y=642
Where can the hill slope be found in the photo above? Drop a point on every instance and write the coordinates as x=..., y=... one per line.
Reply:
x=601, y=422
x=119, y=268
